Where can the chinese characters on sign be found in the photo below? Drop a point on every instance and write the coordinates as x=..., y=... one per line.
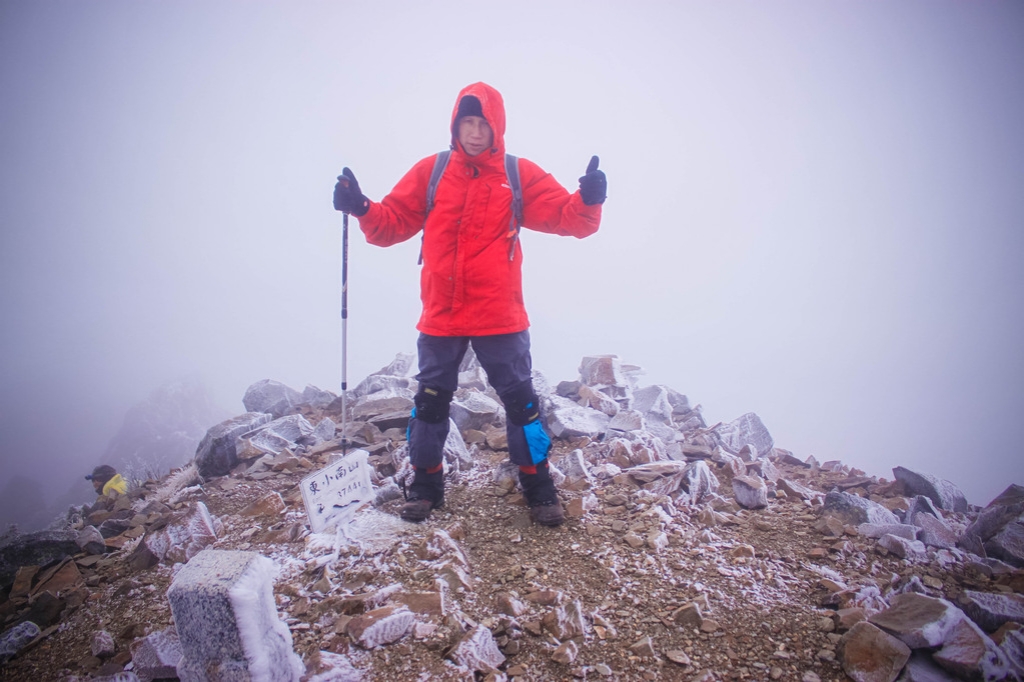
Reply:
x=333, y=494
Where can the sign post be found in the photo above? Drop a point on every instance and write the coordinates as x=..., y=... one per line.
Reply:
x=333, y=494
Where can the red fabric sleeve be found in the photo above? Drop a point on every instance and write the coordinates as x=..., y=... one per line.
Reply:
x=399, y=215
x=548, y=207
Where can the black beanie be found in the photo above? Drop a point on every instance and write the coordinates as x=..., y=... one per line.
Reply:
x=469, y=106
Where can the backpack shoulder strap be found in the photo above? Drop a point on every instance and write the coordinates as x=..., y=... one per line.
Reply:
x=440, y=163
x=512, y=173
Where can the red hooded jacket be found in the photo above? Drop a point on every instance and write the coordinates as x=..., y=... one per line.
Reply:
x=468, y=284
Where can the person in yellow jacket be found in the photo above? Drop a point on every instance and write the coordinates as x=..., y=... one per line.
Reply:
x=107, y=481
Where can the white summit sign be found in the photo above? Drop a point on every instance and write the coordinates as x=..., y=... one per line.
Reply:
x=333, y=494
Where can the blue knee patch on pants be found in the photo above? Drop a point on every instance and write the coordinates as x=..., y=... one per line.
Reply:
x=408, y=429
x=537, y=441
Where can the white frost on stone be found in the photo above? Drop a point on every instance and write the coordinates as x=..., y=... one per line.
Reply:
x=381, y=626
x=566, y=419
x=252, y=600
x=338, y=669
x=478, y=651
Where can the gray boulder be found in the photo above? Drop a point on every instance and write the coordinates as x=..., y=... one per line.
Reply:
x=750, y=492
x=921, y=504
x=16, y=639
x=868, y=654
x=876, y=530
x=602, y=370
x=217, y=453
x=653, y=402
x=286, y=432
x=934, y=531
x=990, y=610
x=317, y=397
x=566, y=419
x=1014, y=494
x=597, y=400
x=917, y=620
x=272, y=397
x=921, y=668
x=745, y=430
x=35, y=549
x=91, y=541
x=627, y=420
x=944, y=494
x=700, y=481
x=475, y=410
x=1008, y=544
x=856, y=510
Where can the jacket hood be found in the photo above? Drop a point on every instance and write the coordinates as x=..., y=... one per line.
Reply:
x=493, y=107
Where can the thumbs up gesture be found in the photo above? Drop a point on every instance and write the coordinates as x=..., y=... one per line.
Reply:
x=593, y=184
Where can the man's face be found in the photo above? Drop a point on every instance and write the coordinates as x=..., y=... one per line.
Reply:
x=98, y=485
x=475, y=134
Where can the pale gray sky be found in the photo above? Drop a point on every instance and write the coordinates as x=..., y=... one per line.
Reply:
x=814, y=209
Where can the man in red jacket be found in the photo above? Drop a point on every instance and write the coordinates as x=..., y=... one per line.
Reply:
x=471, y=286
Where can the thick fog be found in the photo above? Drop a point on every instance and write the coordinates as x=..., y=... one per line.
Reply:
x=815, y=209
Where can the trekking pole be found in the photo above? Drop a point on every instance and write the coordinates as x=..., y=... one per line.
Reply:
x=344, y=331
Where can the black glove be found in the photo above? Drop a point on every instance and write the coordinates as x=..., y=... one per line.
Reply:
x=347, y=197
x=593, y=185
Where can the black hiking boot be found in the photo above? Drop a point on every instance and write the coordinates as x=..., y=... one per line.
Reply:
x=539, y=490
x=426, y=493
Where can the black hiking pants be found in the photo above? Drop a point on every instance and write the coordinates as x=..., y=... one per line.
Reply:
x=506, y=360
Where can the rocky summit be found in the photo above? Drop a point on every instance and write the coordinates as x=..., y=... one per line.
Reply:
x=690, y=552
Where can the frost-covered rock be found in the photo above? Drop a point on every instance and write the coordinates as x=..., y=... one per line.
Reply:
x=565, y=622
x=597, y=400
x=280, y=434
x=16, y=639
x=565, y=419
x=217, y=453
x=271, y=397
x=653, y=402
x=456, y=453
x=226, y=619
x=750, y=492
x=378, y=627
x=934, y=531
x=867, y=654
x=917, y=620
x=317, y=397
x=661, y=478
x=970, y=654
x=991, y=610
x=919, y=504
x=478, y=651
x=91, y=540
x=877, y=530
x=185, y=535
x=901, y=547
x=103, y=644
x=332, y=667
x=156, y=656
x=565, y=653
x=325, y=430
x=1008, y=544
x=797, y=491
x=701, y=482
x=576, y=470
x=855, y=510
x=475, y=410
x=627, y=420
x=943, y=493
x=602, y=370
x=745, y=430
